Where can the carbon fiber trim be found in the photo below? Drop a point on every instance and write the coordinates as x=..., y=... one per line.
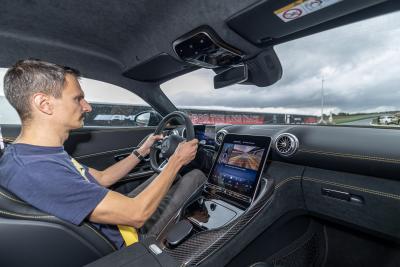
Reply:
x=200, y=246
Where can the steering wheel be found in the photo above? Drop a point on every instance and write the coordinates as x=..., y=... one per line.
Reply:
x=166, y=147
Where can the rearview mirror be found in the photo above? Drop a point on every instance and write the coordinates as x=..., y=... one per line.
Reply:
x=233, y=75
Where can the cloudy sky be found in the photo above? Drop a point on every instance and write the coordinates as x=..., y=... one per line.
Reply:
x=360, y=64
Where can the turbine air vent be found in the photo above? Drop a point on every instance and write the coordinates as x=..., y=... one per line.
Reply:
x=219, y=137
x=286, y=144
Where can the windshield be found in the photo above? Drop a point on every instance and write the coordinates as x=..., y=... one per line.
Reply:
x=350, y=74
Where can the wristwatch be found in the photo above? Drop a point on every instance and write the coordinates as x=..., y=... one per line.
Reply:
x=137, y=154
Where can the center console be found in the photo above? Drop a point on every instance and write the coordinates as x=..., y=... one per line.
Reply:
x=234, y=191
x=207, y=212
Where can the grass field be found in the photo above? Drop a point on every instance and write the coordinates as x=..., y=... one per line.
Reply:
x=350, y=118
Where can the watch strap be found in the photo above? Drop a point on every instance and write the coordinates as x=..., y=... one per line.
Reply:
x=137, y=154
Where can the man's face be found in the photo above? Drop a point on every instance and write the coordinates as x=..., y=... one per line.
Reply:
x=69, y=110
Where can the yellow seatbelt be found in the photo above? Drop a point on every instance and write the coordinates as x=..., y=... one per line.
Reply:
x=129, y=234
x=79, y=168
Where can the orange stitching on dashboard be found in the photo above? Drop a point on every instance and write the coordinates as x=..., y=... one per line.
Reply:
x=286, y=180
x=365, y=190
x=328, y=153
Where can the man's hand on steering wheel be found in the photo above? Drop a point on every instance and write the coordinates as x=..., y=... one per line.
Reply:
x=186, y=151
x=162, y=150
x=144, y=149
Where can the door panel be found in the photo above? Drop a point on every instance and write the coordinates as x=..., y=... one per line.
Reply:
x=95, y=140
x=100, y=148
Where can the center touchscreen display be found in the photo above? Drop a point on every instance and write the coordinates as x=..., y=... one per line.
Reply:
x=240, y=163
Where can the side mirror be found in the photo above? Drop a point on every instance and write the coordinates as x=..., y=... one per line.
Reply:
x=233, y=75
x=142, y=119
x=147, y=118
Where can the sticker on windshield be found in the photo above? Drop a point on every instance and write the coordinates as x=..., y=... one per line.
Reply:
x=300, y=8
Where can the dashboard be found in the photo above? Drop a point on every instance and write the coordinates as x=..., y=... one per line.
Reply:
x=361, y=150
x=343, y=173
x=347, y=174
x=340, y=171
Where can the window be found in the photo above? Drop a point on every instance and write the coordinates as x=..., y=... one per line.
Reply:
x=350, y=74
x=112, y=106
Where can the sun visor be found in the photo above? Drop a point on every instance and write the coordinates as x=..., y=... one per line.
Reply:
x=276, y=18
x=158, y=68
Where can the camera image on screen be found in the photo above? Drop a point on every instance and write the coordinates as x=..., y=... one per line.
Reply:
x=237, y=167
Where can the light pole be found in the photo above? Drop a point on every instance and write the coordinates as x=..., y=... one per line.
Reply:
x=322, y=100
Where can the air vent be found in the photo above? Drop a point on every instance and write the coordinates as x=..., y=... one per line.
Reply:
x=286, y=144
x=219, y=137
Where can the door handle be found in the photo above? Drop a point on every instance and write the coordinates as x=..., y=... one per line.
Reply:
x=342, y=195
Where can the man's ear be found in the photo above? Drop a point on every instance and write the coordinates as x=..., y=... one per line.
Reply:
x=43, y=103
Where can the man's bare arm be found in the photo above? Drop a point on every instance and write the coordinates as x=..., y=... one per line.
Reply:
x=116, y=208
x=120, y=169
x=115, y=172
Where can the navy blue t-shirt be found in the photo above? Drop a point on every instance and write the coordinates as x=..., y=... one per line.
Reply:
x=50, y=180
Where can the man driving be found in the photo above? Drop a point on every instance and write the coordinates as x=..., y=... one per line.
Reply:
x=36, y=168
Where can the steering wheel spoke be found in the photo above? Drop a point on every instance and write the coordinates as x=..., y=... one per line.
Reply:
x=157, y=145
x=163, y=149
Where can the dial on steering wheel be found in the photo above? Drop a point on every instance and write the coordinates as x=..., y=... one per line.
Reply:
x=166, y=147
